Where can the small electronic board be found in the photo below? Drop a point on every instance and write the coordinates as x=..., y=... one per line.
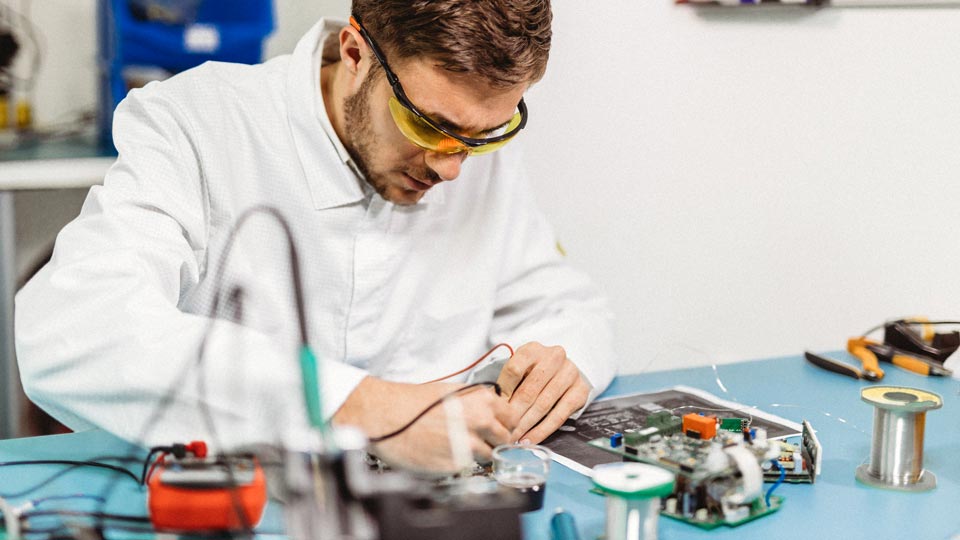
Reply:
x=720, y=464
x=801, y=463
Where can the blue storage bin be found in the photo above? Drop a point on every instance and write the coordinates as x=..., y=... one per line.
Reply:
x=186, y=33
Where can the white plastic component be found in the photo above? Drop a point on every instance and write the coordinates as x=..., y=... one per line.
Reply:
x=716, y=460
x=772, y=452
x=750, y=471
x=737, y=513
x=817, y=464
x=11, y=519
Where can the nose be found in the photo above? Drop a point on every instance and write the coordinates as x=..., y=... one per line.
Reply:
x=446, y=166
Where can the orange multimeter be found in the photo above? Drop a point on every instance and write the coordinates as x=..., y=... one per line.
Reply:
x=202, y=494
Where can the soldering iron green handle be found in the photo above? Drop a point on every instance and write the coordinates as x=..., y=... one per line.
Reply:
x=311, y=386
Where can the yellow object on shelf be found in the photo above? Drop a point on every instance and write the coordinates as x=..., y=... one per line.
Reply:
x=24, y=114
x=4, y=112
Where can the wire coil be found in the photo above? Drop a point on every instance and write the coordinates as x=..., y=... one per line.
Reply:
x=896, y=449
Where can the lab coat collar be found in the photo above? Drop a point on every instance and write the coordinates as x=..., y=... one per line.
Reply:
x=328, y=168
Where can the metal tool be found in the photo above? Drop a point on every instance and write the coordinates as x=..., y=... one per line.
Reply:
x=910, y=362
x=923, y=341
x=896, y=450
x=870, y=353
x=868, y=372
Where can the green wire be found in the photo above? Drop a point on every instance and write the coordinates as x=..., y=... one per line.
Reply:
x=309, y=371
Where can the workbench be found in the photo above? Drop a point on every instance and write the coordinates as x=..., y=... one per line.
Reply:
x=835, y=507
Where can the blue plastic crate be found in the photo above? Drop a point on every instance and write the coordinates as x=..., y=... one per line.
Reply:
x=186, y=34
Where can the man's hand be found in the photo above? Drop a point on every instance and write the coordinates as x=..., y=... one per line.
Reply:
x=544, y=388
x=379, y=407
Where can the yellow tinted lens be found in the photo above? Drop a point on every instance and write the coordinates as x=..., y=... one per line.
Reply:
x=427, y=137
x=491, y=147
x=421, y=133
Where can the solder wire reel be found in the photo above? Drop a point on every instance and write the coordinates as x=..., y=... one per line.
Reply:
x=896, y=448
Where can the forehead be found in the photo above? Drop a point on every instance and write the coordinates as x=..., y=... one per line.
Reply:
x=465, y=102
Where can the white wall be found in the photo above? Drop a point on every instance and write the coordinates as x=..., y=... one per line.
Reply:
x=753, y=182
x=742, y=182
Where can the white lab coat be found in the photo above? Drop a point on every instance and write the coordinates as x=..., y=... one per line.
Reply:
x=113, y=323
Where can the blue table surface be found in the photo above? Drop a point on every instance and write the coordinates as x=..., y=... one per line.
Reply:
x=835, y=507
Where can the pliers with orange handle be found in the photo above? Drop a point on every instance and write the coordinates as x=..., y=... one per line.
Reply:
x=872, y=351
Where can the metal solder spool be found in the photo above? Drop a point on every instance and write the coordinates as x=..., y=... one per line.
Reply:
x=633, y=492
x=896, y=450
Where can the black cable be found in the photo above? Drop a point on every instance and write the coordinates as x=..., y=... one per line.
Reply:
x=496, y=388
x=180, y=379
x=293, y=256
x=58, y=474
x=236, y=294
x=75, y=513
x=147, y=460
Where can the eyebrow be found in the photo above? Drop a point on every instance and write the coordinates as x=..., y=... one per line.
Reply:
x=453, y=126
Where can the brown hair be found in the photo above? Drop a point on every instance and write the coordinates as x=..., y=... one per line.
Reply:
x=506, y=42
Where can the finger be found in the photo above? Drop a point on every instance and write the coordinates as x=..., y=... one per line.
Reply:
x=514, y=371
x=485, y=415
x=482, y=452
x=504, y=414
x=549, y=363
x=568, y=376
x=572, y=400
x=494, y=435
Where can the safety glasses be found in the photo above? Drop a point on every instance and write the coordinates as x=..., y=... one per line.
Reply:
x=428, y=134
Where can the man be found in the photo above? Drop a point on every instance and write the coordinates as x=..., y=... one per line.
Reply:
x=407, y=276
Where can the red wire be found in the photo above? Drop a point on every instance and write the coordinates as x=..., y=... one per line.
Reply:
x=471, y=366
x=154, y=466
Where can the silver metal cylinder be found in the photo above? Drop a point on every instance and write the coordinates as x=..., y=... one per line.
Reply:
x=633, y=492
x=632, y=519
x=896, y=449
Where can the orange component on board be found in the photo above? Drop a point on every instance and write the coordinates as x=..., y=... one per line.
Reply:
x=202, y=495
x=701, y=427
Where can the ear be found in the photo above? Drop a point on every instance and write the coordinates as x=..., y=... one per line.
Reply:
x=355, y=55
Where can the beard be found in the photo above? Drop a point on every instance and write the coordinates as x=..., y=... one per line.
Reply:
x=357, y=123
x=362, y=145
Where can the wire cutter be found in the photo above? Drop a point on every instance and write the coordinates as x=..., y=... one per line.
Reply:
x=869, y=370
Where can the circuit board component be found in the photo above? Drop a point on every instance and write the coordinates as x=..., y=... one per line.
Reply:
x=720, y=465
